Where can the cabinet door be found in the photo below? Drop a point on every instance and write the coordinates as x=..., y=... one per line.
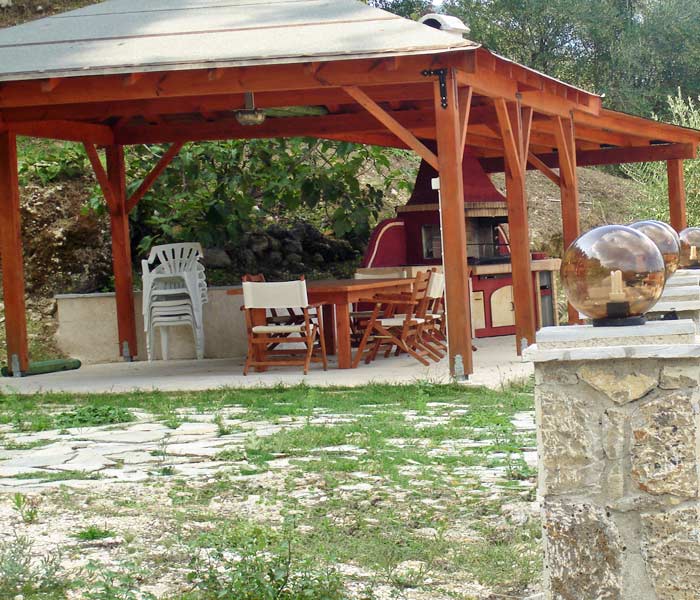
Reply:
x=502, y=307
x=478, y=311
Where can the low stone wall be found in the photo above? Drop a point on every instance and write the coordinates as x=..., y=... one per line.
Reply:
x=619, y=451
x=87, y=328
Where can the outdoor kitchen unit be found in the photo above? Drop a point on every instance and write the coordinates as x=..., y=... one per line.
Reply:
x=412, y=241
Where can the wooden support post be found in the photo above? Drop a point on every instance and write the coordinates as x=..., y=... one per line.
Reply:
x=676, y=194
x=523, y=292
x=121, y=253
x=454, y=234
x=11, y=255
x=568, y=185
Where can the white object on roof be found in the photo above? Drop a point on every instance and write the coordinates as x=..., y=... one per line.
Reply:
x=446, y=23
x=122, y=36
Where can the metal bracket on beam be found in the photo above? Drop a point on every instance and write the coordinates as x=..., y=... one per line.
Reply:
x=126, y=354
x=441, y=74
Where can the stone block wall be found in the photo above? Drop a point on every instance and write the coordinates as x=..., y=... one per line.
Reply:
x=619, y=451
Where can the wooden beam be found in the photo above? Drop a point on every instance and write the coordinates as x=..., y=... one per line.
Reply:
x=495, y=77
x=121, y=254
x=608, y=156
x=454, y=234
x=197, y=82
x=70, y=131
x=229, y=128
x=544, y=169
x=413, y=92
x=100, y=174
x=526, y=123
x=11, y=256
x=676, y=194
x=151, y=178
x=523, y=292
x=611, y=120
x=570, y=211
x=465, y=106
x=392, y=124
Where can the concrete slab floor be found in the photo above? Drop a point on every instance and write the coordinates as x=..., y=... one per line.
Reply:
x=496, y=365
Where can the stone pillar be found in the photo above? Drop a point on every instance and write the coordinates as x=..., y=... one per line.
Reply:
x=618, y=437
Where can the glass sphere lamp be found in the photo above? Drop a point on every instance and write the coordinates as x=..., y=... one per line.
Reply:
x=613, y=275
x=666, y=240
x=690, y=248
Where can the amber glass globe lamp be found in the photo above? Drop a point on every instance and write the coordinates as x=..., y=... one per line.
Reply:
x=613, y=275
x=666, y=240
x=690, y=248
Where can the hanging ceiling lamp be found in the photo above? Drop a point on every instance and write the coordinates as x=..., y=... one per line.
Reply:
x=613, y=275
x=250, y=115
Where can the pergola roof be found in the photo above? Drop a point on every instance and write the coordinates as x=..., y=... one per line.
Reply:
x=118, y=36
x=176, y=70
x=172, y=71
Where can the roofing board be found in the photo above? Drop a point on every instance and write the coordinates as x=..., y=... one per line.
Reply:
x=121, y=36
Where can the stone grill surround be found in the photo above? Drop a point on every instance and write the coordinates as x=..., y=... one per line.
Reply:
x=618, y=415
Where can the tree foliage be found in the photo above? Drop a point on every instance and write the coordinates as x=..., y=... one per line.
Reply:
x=215, y=192
x=652, y=177
x=636, y=52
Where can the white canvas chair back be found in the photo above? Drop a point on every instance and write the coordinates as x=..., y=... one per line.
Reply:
x=436, y=286
x=177, y=258
x=278, y=294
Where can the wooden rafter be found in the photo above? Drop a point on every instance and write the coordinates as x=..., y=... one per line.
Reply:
x=100, y=173
x=607, y=156
x=151, y=178
x=197, y=83
x=71, y=131
x=543, y=168
x=628, y=124
x=392, y=124
x=465, y=106
x=229, y=128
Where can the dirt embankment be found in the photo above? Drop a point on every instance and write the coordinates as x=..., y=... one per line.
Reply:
x=604, y=199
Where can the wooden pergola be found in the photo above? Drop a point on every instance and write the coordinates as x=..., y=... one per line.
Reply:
x=380, y=79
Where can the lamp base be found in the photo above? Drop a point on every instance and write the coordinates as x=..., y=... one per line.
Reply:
x=619, y=321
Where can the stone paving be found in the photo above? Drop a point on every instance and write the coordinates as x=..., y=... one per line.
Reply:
x=137, y=451
x=137, y=478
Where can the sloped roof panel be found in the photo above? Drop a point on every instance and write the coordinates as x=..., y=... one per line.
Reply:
x=121, y=36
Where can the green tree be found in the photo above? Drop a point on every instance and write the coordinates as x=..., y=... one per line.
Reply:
x=635, y=52
x=652, y=177
x=411, y=9
x=215, y=192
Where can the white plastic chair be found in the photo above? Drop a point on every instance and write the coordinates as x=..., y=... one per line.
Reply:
x=174, y=291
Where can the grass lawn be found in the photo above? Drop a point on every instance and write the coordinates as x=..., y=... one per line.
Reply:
x=417, y=491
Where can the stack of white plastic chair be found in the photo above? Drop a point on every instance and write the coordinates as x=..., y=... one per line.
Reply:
x=174, y=290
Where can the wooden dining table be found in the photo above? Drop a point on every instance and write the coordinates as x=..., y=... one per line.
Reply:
x=336, y=296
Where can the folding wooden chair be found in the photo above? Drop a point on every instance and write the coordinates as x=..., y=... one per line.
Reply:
x=290, y=317
x=433, y=329
x=263, y=339
x=397, y=321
